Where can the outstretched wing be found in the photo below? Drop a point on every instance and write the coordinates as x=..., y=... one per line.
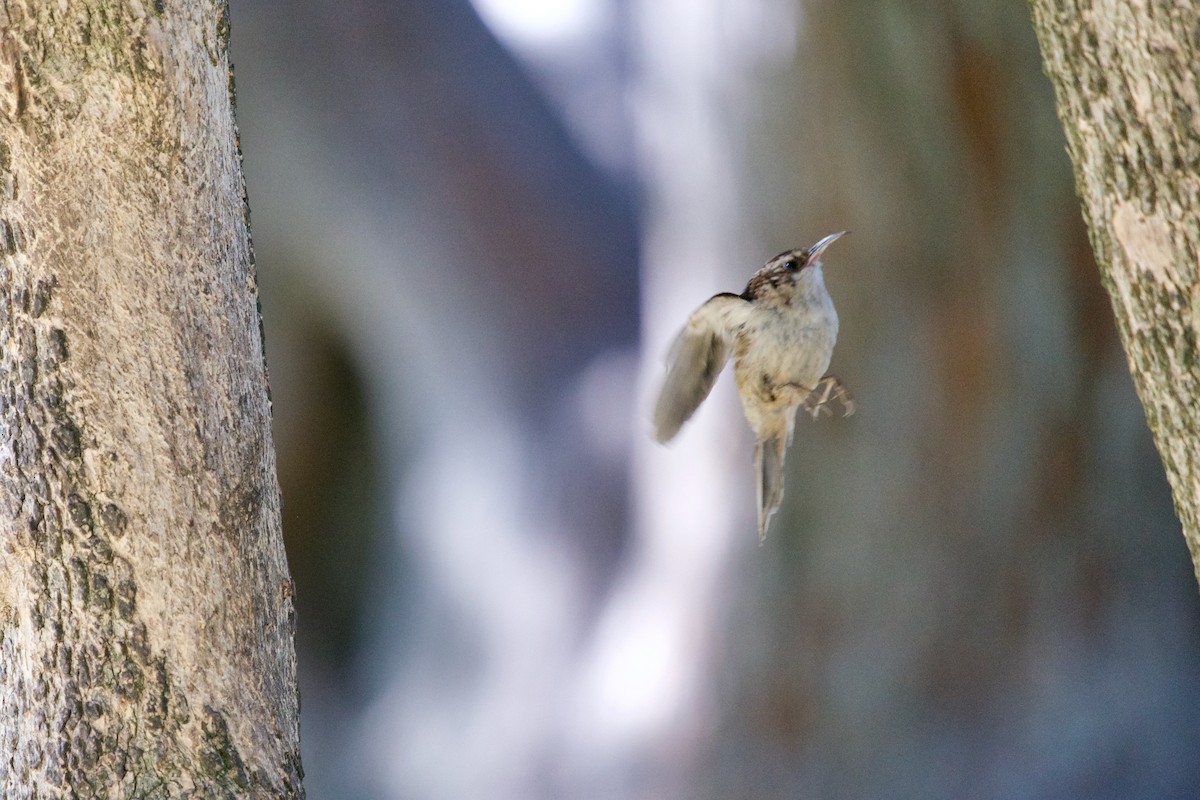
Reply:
x=695, y=361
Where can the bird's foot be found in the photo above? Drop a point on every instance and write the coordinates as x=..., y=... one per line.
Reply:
x=821, y=399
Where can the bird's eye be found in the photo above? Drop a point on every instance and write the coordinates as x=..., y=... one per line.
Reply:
x=791, y=265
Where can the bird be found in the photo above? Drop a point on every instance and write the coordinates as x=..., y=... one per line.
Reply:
x=780, y=332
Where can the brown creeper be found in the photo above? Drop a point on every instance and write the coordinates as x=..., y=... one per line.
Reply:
x=781, y=333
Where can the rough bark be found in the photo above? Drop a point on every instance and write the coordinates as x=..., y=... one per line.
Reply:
x=145, y=604
x=1125, y=78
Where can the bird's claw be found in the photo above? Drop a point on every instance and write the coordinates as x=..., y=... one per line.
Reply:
x=828, y=391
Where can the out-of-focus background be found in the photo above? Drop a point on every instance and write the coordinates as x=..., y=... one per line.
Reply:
x=479, y=224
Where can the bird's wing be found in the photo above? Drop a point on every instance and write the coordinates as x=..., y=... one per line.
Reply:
x=697, y=357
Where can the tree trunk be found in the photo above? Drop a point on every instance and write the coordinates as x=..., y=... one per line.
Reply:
x=145, y=604
x=1125, y=76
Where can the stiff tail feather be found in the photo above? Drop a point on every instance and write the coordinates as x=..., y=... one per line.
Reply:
x=768, y=469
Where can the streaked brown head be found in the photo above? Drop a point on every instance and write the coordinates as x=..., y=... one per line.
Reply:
x=780, y=272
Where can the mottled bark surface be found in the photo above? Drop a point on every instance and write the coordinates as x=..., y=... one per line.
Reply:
x=1125, y=76
x=145, y=605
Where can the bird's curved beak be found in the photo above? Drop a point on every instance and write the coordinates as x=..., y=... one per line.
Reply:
x=815, y=251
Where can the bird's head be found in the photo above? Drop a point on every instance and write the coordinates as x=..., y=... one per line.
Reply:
x=791, y=267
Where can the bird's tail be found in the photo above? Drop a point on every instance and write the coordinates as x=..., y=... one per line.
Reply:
x=768, y=469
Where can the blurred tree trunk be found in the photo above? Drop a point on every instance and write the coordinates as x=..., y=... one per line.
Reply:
x=994, y=514
x=1125, y=79
x=145, y=605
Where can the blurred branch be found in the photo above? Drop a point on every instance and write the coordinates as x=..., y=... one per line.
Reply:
x=1125, y=79
x=450, y=132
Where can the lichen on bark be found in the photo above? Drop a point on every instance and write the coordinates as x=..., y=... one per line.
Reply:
x=145, y=605
x=1126, y=77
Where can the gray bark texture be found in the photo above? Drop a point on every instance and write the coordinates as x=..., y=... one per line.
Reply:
x=145, y=604
x=1126, y=78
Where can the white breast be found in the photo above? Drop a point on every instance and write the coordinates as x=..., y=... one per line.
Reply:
x=792, y=343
